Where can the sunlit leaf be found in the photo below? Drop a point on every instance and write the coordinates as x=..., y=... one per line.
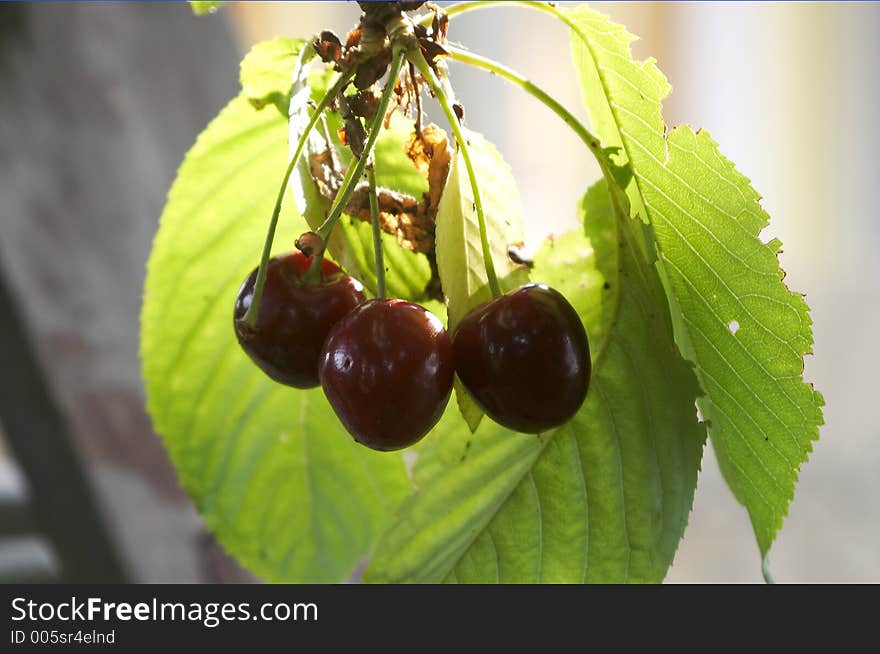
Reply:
x=266, y=72
x=734, y=318
x=603, y=499
x=275, y=476
x=203, y=7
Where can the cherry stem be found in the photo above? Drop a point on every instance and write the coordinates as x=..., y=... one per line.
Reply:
x=416, y=56
x=464, y=7
x=418, y=94
x=250, y=316
x=356, y=168
x=475, y=60
x=765, y=570
x=377, y=231
x=465, y=57
x=592, y=143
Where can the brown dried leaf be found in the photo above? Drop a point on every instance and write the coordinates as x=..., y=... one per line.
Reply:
x=430, y=153
x=440, y=26
x=329, y=47
x=364, y=104
x=432, y=51
x=399, y=214
x=324, y=168
x=352, y=133
x=372, y=70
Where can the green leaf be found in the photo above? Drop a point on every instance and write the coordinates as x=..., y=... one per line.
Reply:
x=734, y=319
x=267, y=72
x=459, y=253
x=201, y=7
x=276, y=477
x=351, y=242
x=603, y=499
x=459, y=256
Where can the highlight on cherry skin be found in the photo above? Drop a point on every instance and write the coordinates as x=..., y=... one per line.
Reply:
x=295, y=316
x=387, y=370
x=525, y=358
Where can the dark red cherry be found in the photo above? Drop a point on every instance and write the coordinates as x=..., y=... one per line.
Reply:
x=387, y=370
x=295, y=317
x=525, y=358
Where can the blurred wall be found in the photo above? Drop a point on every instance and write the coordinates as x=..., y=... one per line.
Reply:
x=98, y=104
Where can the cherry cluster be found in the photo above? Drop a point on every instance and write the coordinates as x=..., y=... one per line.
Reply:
x=387, y=365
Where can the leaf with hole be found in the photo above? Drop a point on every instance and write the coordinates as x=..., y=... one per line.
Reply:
x=683, y=304
x=706, y=219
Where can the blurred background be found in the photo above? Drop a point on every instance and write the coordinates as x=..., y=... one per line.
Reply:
x=100, y=101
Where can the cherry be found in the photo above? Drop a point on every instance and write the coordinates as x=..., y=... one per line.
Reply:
x=525, y=358
x=295, y=317
x=387, y=371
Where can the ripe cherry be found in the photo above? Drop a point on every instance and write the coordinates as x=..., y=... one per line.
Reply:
x=525, y=358
x=295, y=317
x=387, y=371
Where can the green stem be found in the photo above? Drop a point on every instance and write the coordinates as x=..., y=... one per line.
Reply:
x=464, y=7
x=250, y=316
x=416, y=56
x=453, y=10
x=471, y=59
x=477, y=61
x=617, y=197
x=343, y=195
x=356, y=169
x=591, y=141
x=377, y=232
x=765, y=569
